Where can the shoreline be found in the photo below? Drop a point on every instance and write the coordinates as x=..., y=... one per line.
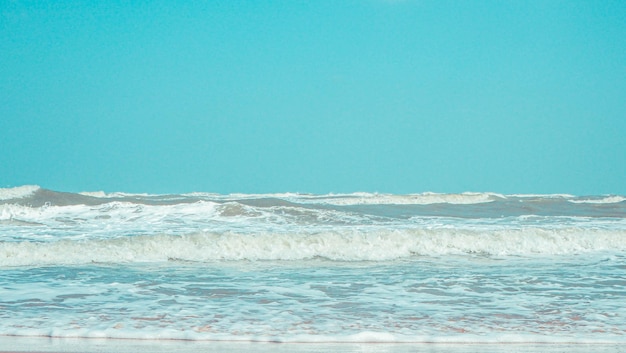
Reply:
x=42, y=344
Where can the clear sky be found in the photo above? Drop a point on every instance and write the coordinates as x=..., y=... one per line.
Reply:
x=319, y=96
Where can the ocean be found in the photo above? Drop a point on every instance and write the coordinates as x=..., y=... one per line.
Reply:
x=430, y=268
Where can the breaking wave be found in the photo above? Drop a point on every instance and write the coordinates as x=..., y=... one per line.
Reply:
x=18, y=192
x=345, y=245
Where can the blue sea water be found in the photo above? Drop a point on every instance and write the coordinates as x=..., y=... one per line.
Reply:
x=362, y=267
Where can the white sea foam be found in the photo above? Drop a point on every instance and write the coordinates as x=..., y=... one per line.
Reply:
x=17, y=192
x=102, y=194
x=548, y=196
x=99, y=194
x=192, y=338
x=362, y=198
x=347, y=245
x=443, y=301
x=409, y=199
x=603, y=200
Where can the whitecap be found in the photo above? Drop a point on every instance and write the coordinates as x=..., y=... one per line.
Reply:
x=17, y=192
x=604, y=200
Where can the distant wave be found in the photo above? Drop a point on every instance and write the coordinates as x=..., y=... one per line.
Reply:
x=601, y=200
x=357, y=198
x=34, y=195
x=409, y=199
x=105, y=195
x=99, y=212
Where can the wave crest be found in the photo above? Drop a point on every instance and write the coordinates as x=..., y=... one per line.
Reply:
x=427, y=198
x=602, y=200
x=17, y=192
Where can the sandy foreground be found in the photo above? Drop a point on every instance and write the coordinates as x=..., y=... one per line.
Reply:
x=67, y=345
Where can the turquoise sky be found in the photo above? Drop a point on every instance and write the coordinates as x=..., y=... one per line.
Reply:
x=319, y=96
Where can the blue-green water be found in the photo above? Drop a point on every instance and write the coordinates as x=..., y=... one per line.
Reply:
x=471, y=267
